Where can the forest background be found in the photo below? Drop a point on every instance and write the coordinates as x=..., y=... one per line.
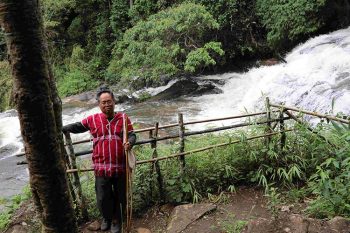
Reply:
x=142, y=43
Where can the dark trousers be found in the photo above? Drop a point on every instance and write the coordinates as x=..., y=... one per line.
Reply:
x=111, y=196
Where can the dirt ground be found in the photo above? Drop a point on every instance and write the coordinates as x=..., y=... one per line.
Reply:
x=244, y=205
x=233, y=212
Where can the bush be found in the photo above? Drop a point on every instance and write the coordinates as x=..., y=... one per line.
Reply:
x=331, y=182
x=75, y=78
x=161, y=44
x=290, y=20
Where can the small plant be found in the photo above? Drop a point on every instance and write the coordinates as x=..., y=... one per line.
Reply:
x=230, y=225
x=274, y=200
x=12, y=205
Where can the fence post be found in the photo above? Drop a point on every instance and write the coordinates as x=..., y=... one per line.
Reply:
x=156, y=164
x=268, y=118
x=182, y=139
x=152, y=144
x=76, y=181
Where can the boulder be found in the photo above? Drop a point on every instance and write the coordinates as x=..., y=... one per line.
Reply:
x=339, y=225
x=184, y=215
x=180, y=88
x=298, y=224
x=188, y=87
x=259, y=225
x=207, y=88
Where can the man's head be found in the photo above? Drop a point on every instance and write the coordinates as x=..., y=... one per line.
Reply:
x=106, y=102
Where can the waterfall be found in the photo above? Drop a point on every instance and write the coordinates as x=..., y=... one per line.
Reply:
x=316, y=77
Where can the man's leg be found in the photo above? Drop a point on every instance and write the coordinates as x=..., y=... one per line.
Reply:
x=119, y=189
x=105, y=200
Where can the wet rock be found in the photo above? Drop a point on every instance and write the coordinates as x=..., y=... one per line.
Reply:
x=188, y=87
x=259, y=225
x=298, y=224
x=143, y=230
x=180, y=88
x=9, y=113
x=207, y=88
x=268, y=62
x=122, y=98
x=219, y=82
x=8, y=150
x=339, y=225
x=83, y=97
x=184, y=215
x=318, y=226
x=79, y=100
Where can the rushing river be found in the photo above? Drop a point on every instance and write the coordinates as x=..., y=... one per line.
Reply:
x=315, y=75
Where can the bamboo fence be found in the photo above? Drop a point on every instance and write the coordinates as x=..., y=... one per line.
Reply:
x=271, y=124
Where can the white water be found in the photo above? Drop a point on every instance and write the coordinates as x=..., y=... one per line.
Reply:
x=315, y=73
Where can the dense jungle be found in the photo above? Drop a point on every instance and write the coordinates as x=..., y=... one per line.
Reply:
x=142, y=43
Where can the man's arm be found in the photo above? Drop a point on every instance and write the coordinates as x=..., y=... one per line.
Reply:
x=74, y=128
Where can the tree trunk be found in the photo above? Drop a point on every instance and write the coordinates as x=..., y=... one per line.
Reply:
x=39, y=111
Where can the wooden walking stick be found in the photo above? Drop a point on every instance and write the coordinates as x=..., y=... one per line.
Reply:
x=128, y=175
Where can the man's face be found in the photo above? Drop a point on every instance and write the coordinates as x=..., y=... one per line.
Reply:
x=106, y=104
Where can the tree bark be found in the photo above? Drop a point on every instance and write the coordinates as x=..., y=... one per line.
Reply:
x=39, y=111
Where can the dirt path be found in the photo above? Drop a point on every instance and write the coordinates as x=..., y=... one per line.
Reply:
x=244, y=211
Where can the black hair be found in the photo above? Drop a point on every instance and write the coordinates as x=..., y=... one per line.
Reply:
x=102, y=90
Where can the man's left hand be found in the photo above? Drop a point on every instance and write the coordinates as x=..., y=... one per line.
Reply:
x=127, y=146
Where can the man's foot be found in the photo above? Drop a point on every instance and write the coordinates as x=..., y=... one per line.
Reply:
x=105, y=224
x=115, y=227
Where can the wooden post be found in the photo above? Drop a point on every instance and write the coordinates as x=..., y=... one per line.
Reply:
x=128, y=177
x=283, y=134
x=182, y=139
x=152, y=144
x=268, y=118
x=76, y=181
x=156, y=166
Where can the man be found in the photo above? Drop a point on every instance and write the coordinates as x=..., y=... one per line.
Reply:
x=108, y=157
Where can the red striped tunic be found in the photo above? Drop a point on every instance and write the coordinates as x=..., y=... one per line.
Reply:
x=108, y=154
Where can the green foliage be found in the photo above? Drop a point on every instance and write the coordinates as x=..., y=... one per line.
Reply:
x=161, y=44
x=290, y=20
x=119, y=17
x=331, y=182
x=201, y=57
x=12, y=205
x=76, y=77
x=141, y=9
x=234, y=226
x=6, y=84
x=274, y=200
x=153, y=40
x=240, y=30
